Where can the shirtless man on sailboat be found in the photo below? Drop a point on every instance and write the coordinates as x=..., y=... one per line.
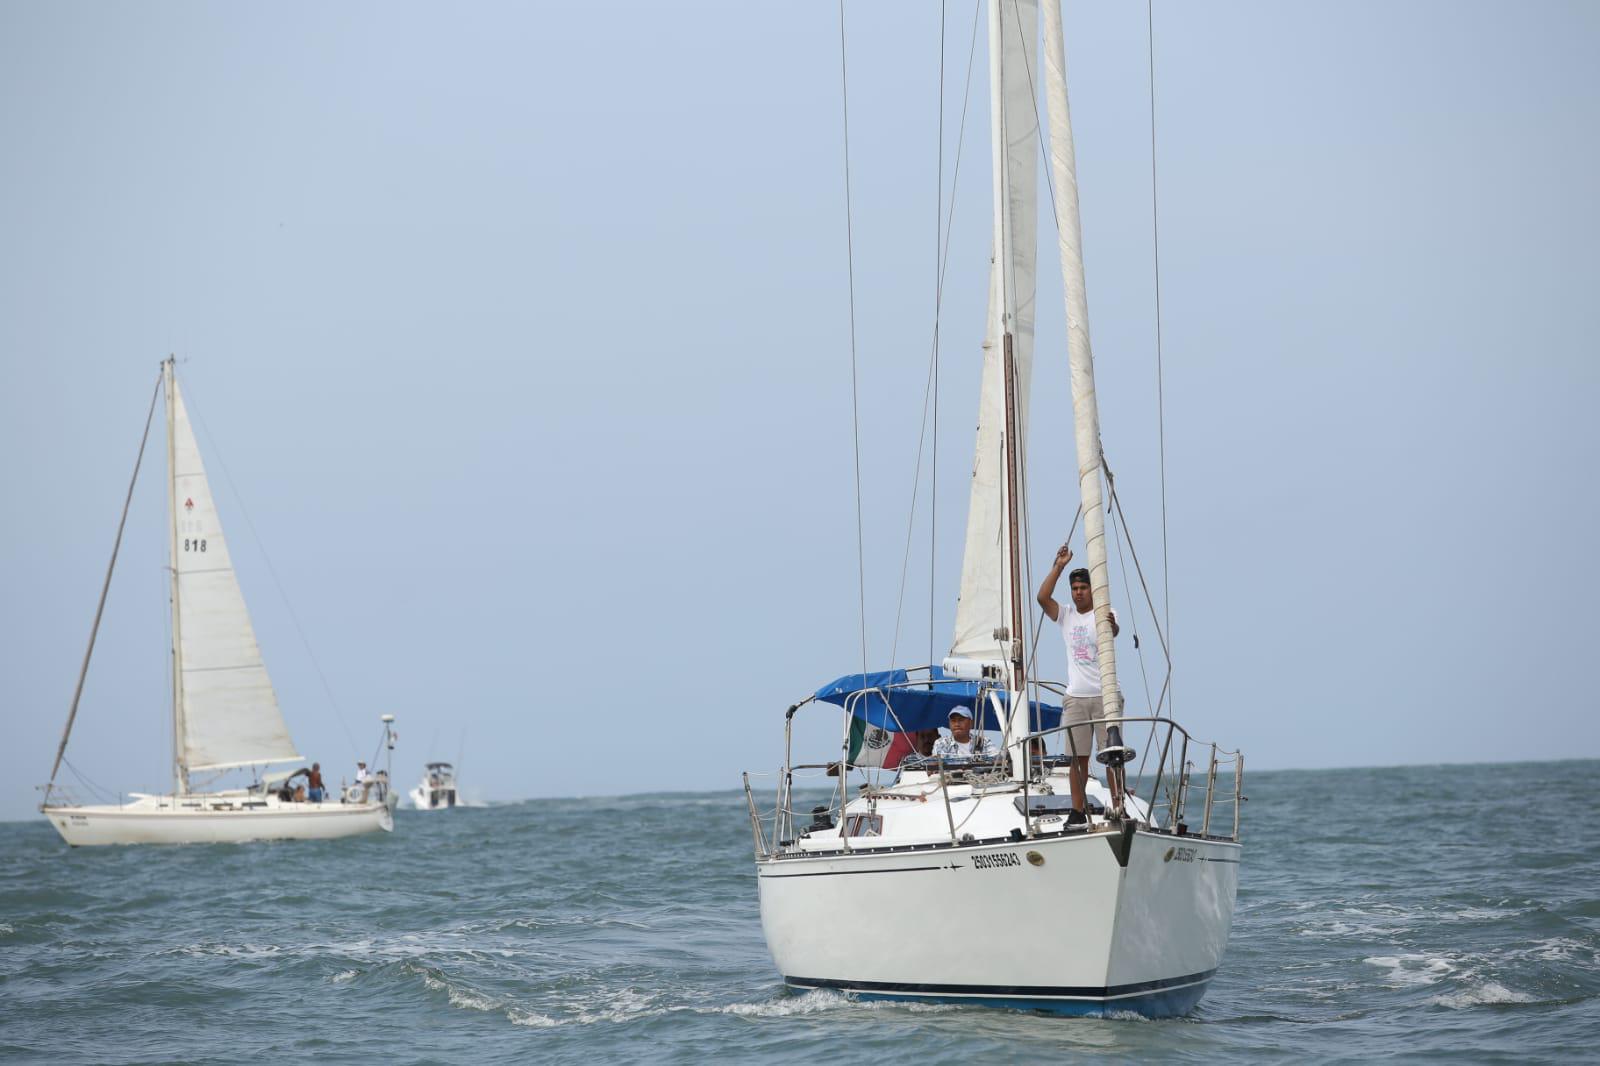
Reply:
x=1083, y=701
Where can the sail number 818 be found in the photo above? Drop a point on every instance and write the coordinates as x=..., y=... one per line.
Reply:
x=196, y=544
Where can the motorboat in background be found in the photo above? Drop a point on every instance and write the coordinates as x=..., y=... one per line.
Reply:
x=225, y=714
x=437, y=790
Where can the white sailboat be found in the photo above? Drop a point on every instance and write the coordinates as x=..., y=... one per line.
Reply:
x=225, y=714
x=888, y=892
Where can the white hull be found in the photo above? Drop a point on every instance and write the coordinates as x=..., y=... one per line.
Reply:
x=423, y=799
x=437, y=789
x=1094, y=935
x=215, y=819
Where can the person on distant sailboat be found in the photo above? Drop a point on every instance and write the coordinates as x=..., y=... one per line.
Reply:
x=962, y=741
x=314, y=785
x=1083, y=702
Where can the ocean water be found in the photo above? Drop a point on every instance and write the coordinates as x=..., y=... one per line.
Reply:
x=1439, y=913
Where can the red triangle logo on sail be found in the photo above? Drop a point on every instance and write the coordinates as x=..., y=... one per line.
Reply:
x=188, y=505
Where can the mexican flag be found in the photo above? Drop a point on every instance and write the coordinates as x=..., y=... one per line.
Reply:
x=871, y=746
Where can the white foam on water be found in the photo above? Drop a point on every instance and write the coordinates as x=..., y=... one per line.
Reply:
x=1489, y=992
x=465, y=997
x=1477, y=914
x=1413, y=970
x=344, y=975
x=1557, y=949
x=812, y=1002
x=820, y=1000
x=623, y=1005
x=230, y=951
x=556, y=923
x=6, y=929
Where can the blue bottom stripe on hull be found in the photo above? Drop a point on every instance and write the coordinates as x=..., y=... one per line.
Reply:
x=1166, y=998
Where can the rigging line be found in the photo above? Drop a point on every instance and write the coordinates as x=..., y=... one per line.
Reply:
x=1155, y=243
x=105, y=588
x=1118, y=531
x=930, y=389
x=100, y=791
x=938, y=294
x=1114, y=501
x=169, y=694
x=855, y=401
x=911, y=516
x=244, y=512
x=1145, y=587
x=1039, y=628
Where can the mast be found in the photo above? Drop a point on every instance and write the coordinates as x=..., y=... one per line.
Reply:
x=1020, y=721
x=179, y=771
x=1080, y=359
x=1009, y=628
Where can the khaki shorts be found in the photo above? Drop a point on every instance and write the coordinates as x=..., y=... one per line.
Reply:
x=1077, y=712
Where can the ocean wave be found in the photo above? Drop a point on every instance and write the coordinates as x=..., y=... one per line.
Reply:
x=1557, y=949
x=1486, y=994
x=456, y=994
x=1413, y=970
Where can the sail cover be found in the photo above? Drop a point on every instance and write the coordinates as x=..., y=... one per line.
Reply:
x=985, y=570
x=230, y=714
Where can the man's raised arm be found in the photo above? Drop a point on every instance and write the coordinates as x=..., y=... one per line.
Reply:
x=1047, y=589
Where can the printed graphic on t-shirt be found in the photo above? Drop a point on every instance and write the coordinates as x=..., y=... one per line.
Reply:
x=1082, y=641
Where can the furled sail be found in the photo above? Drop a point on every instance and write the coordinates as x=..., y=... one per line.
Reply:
x=1080, y=357
x=985, y=602
x=228, y=712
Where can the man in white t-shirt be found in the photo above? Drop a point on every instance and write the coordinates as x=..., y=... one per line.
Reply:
x=1083, y=701
x=962, y=741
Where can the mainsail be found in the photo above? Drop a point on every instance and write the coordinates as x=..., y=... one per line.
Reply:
x=227, y=711
x=985, y=602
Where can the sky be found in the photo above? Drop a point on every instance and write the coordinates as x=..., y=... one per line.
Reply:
x=519, y=340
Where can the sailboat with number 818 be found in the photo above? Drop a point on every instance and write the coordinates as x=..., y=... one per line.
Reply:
x=225, y=714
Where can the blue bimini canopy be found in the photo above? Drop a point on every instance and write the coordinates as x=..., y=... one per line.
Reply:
x=894, y=702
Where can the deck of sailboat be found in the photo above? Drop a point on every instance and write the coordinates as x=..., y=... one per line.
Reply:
x=921, y=811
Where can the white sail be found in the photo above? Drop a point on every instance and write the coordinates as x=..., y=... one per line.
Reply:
x=228, y=712
x=985, y=602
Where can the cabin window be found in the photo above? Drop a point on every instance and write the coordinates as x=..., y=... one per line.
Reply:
x=864, y=825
